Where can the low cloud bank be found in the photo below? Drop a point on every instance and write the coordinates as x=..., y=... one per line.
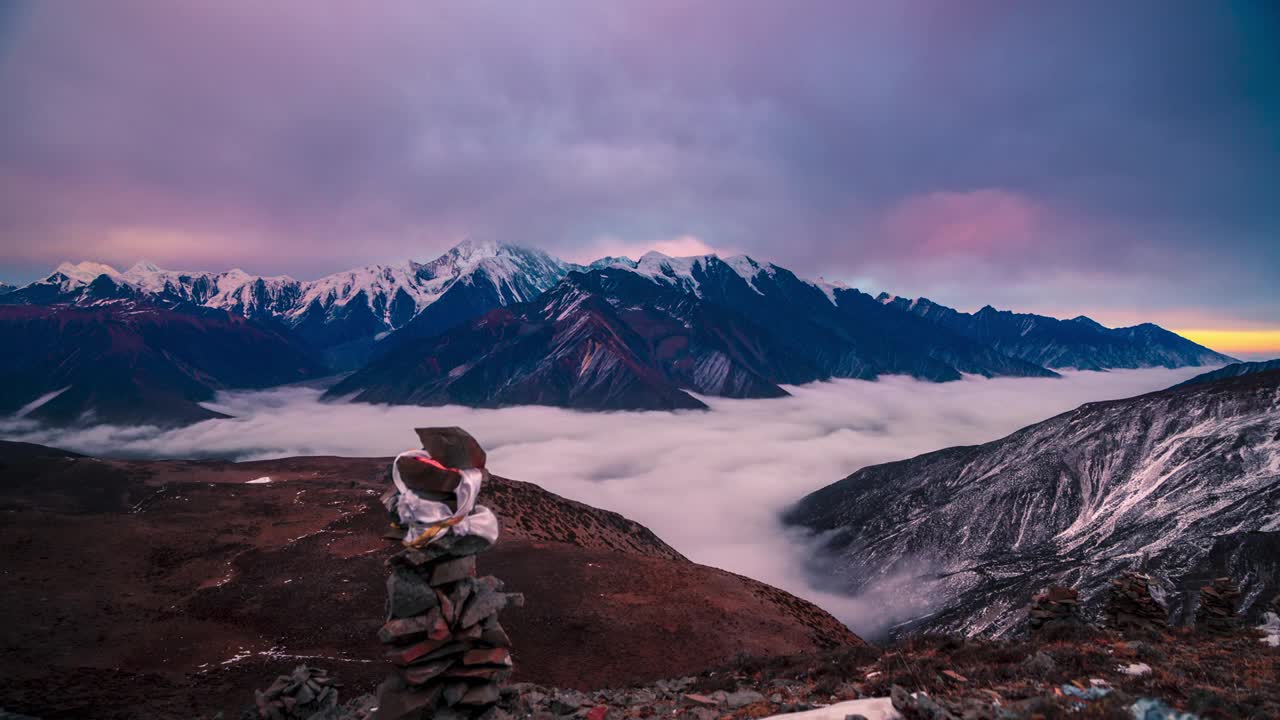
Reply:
x=709, y=483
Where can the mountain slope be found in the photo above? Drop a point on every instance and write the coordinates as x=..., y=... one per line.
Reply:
x=125, y=364
x=1080, y=343
x=1074, y=499
x=197, y=585
x=568, y=349
x=342, y=315
x=837, y=330
x=1233, y=370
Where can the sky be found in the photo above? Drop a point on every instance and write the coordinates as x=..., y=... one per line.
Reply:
x=683, y=475
x=1120, y=160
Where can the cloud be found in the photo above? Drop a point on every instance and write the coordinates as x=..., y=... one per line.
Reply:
x=709, y=483
x=988, y=223
x=681, y=246
x=302, y=138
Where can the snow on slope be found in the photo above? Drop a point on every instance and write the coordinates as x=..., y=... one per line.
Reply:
x=687, y=273
x=518, y=273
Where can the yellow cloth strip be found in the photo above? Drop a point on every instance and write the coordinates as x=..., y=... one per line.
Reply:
x=433, y=531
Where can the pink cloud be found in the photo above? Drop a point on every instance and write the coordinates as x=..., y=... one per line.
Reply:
x=679, y=246
x=979, y=223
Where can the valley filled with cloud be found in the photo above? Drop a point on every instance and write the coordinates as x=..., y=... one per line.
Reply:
x=709, y=483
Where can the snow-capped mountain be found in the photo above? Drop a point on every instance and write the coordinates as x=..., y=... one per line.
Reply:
x=6, y=288
x=1080, y=343
x=569, y=348
x=341, y=314
x=731, y=328
x=1188, y=478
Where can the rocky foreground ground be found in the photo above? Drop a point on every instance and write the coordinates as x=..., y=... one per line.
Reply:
x=1102, y=675
x=171, y=589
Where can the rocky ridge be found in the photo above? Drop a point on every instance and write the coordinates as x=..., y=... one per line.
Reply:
x=1175, y=482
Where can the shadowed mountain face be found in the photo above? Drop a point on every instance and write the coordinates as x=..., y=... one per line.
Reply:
x=1233, y=370
x=173, y=588
x=1080, y=343
x=137, y=365
x=1073, y=500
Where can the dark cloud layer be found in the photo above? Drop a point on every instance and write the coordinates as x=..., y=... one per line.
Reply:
x=1078, y=156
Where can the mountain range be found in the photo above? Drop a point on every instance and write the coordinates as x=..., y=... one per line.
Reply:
x=1182, y=483
x=341, y=315
x=488, y=324
x=1080, y=343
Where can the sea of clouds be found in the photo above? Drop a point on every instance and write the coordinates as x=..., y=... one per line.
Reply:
x=709, y=483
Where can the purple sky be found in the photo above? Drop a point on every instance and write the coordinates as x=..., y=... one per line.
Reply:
x=1117, y=159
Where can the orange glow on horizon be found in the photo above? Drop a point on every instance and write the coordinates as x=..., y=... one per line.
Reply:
x=1235, y=341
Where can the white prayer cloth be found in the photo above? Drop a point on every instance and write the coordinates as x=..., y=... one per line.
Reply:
x=418, y=514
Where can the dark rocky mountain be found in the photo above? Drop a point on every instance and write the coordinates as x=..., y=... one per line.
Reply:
x=1233, y=370
x=1079, y=343
x=201, y=578
x=125, y=363
x=342, y=316
x=638, y=334
x=6, y=288
x=1188, y=478
x=568, y=349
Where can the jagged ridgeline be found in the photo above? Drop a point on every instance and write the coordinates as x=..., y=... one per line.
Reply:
x=490, y=325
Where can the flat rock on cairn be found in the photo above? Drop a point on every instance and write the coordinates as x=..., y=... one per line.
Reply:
x=1219, y=601
x=1131, y=607
x=442, y=634
x=1056, y=608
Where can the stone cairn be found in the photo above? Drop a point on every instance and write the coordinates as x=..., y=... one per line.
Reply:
x=1219, y=602
x=1131, y=606
x=442, y=632
x=1055, y=609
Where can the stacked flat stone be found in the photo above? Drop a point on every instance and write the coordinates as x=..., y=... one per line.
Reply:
x=1054, y=609
x=442, y=632
x=300, y=694
x=1219, y=602
x=1131, y=607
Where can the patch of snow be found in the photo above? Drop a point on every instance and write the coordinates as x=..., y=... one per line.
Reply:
x=829, y=287
x=259, y=481
x=1271, y=629
x=240, y=655
x=1136, y=669
x=34, y=404
x=880, y=708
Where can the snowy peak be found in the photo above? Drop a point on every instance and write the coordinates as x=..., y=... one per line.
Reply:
x=473, y=250
x=72, y=275
x=689, y=273
x=387, y=296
